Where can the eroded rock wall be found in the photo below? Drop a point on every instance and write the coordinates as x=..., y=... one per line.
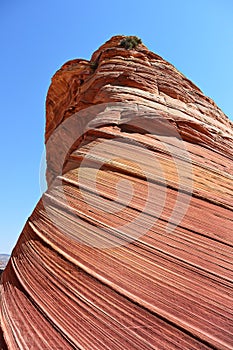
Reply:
x=131, y=246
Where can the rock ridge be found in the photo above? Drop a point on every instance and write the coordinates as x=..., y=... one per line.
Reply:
x=136, y=76
x=131, y=245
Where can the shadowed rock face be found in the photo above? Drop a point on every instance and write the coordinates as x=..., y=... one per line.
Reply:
x=131, y=245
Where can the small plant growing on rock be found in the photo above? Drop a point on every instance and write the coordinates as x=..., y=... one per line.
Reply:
x=94, y=65
x=130, y=42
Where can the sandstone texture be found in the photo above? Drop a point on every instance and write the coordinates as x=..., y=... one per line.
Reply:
x=131, y=245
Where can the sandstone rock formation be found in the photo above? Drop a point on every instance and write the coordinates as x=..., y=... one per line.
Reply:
x=3, y=260
x=131, y=245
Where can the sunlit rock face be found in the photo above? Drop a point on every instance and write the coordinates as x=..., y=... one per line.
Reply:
x=131, y=245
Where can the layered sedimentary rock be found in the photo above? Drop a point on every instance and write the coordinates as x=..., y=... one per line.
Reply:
x=131, y=245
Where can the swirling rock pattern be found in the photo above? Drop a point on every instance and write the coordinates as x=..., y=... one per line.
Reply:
x=84, y=275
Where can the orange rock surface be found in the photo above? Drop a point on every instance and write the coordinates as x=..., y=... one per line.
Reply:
x=131, y=245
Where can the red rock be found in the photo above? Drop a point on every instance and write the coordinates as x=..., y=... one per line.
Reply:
x=101, y=264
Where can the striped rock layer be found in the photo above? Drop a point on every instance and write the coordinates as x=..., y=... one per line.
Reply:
x=131, y=245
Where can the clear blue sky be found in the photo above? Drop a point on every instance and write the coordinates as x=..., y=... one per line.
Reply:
x=37, y=37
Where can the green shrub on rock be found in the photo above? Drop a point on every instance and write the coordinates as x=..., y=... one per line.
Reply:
x=130, y=42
